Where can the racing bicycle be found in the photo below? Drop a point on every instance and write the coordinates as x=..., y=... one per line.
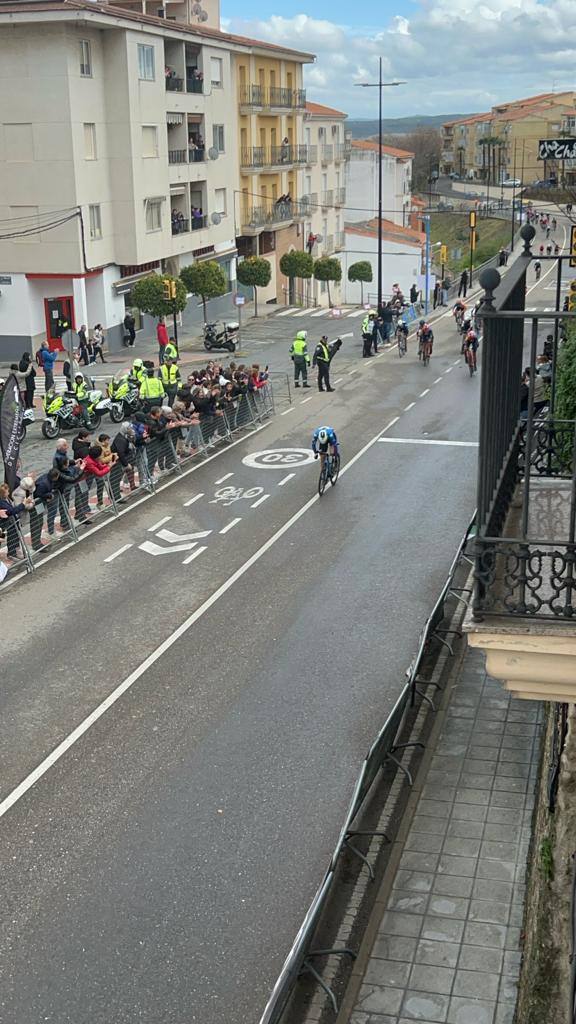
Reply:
x=329, y=471
x=425, y=351
x=470, y=358
x=402, y=342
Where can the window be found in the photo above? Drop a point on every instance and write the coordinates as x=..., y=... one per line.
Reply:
x=90, y=142
x=153, y=215
x=149, y=140
x=95, y=222
x=146, y=62
x=85, y=59
x=220, y=201
x=218, y=137
x=216, y=72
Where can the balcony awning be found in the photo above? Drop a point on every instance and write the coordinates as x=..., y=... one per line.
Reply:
x=178, y=190
x=174, y=118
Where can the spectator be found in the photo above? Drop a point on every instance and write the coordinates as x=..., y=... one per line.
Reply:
x=46, y=359
x=26, y=367
x=13, y=511
x=463, y=286
x=413, y=294
x=130, y=328
x=93, y=465
x=68, y=482
x=81, y=444
x=387, y=317
x=124, y=447
x=25, y=493
x=436, y=295
x=98, y=342
x=162, y=337
x=46, y=492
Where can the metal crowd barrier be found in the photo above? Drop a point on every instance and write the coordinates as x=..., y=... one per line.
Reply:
x=60, y=518
x=301, y=956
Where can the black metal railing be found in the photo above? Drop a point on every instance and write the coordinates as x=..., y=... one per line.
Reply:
x=174, y=84
x=194, y=84
x=284, y=155
x=272, y=96
x=526, y=544
x=180, y=225
x=196, y=155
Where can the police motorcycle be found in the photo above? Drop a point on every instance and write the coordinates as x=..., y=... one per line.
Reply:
x=63, y=411
x=124, y=394
x=27, y=418
x=226, y=338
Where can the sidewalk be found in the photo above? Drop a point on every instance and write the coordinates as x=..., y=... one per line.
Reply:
x=448, y=937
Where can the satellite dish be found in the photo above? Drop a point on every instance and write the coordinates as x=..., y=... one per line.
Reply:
x=203, y=16
x=213, y=153
x=215, y=218
x=196, y=9
x=319, y=238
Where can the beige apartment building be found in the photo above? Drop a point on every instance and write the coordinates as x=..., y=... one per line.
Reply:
x=503, y=142
x=119, y=155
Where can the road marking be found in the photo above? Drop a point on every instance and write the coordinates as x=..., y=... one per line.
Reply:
x=192, y=500
x=457, y=363
x=112, y=698
x=309, y=399
x=380, y=354
x=260, y=500
x=186, y=561
x=173, y=538
x=428, y=440
x=160, y=522
x=285, y=479
x=357, y=312
x=155, y=549
x=425, y=392
x=339, y=381
x=449, y=370
x=437, y=381
x=287, y=312
x=351, y=372
x=303, y=312
x=408, y=407
x=321, y=312
x=231, y=524
x=223, y=478
x=286, y=411
x=391, y=424
x=119, y=552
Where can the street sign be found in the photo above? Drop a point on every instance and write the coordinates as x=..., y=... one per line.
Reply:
x=557, y=149
x=573, y=246
x=239, y=300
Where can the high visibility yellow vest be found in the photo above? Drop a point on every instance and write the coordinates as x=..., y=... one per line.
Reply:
x=152, y=387
x=299, y=347
x=322, y=356
x=170, y=374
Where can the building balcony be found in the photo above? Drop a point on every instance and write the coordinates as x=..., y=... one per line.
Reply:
x=327, y=154
x=198, y=222
x=180, y=225
x=328, y=246
x=523, y=608
x=174, y=84
x=308, y=204
x=177, y=156
x=339, y=241
x=194, y=84
x=339, y=196
x=328, y=198
x=448, y=156
x=258, y=97
x=311, y=154
x=272, y=157
x=269, y=216
x=196, y=155
x=341, y=151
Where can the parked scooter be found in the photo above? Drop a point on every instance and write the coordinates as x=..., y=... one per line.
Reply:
x=124, y=394
x=226, y=338
x=64, y=413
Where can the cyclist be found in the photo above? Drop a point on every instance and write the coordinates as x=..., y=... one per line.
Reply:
x=470, y=347
x=321, y=439
x=402, y=335
x=425, y=336
x=458, y=311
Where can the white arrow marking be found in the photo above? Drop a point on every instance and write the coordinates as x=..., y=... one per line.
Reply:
x=173, y=538
x=154, y=549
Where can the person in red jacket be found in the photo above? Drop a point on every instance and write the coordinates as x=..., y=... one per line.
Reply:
x=162, y=336
x=94, y=468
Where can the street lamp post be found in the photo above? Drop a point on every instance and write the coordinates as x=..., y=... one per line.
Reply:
x=379, y=85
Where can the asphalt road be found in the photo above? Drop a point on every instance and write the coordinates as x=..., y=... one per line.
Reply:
x=157, y=866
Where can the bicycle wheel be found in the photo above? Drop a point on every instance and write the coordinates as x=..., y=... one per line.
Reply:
x=323, y=478
x=334, y=469
x=401, y=346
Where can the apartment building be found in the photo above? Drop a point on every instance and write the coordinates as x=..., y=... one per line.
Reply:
x=503, y=142
x=118, y=155
x=270, y=109
x=362, y=182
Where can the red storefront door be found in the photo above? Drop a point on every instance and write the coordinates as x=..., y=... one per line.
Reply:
x=61, y=308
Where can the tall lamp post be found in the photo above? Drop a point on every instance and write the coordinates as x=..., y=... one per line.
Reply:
x=379, y=85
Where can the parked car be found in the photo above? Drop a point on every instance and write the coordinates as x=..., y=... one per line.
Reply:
x=454, y=176
x=511, y=183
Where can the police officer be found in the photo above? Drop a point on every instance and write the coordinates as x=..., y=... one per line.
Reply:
x=367, y=333
x=322, y=361
x=170, y=350
x=170, y=376
x=151, y=390
x=138, y=371
x=300, y=358
x=82, y=397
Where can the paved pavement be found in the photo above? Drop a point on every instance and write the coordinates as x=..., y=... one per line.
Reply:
x=449, y=945
x=181, y=731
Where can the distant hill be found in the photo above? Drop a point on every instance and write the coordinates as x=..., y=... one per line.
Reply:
x=364, y=128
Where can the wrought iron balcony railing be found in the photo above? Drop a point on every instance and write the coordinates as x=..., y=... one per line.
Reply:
x=269, y=214
x=328, y=197
x=339, y=196
x=327, y=154
x=284, y=155
x=260, y=96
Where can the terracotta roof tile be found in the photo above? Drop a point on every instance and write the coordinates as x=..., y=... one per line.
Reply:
x=401, y=154
x=393, y=232
x=320, y=110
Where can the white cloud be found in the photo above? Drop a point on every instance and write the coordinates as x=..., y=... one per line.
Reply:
x=457, y=56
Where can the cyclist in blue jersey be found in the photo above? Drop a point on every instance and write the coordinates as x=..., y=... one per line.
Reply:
x=321, y=439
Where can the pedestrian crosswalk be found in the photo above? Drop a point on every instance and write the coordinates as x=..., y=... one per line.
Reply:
x=315, y=312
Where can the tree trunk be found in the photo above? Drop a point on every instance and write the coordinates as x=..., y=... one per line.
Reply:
x=329, y=299
x=204, y=308
x=255, y=300
x=361, y=293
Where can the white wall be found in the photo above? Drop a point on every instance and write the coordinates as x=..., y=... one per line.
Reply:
x=15, y=307
x=362, y=187
x=400, y=264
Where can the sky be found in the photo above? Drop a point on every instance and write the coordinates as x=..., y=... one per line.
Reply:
x=457, y=56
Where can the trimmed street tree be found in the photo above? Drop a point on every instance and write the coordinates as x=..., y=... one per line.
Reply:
x=148, y=295
x=328, y=268
x=206, y=279
x=295, y=264
x=256, y=273
x=361, y=271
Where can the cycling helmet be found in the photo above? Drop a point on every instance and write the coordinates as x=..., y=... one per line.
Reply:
x=323, y=435
x=422, y=323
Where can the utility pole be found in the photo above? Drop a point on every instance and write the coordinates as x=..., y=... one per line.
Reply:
x=513, y=222
x=427, y=264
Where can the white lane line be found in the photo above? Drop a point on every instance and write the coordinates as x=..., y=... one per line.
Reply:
x=357, y=312
x=449, y=370
x=160, y=523
x=223, y=478
x=391, y=424
x=457, y=363
x=186, y=561
x=437, y=381
x=309, y=399
x=285, y=479
x=380, y=354
x=260, y=500
x=231, y=524
x=286, y=411
x=119, y=552
x=339, y=381
x=408, y=407
x=303, y=312
x=192, y=500
x=321, y=312
x=351, y=372
x=287, y=312
x=55, y=755
x=425, y=392
x=427, y=440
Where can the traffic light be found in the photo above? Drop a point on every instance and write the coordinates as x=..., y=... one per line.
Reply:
x=572, y=297
x=443, y=254
x=169, y=289
x=172, y=289
x=573, y=246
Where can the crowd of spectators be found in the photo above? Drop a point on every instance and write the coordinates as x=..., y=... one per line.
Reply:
x=97, y=469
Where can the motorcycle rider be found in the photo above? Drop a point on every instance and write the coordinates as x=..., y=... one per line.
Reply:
x=151, y=389
x=138, y=371
x=170, y=376
x=300, y=358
